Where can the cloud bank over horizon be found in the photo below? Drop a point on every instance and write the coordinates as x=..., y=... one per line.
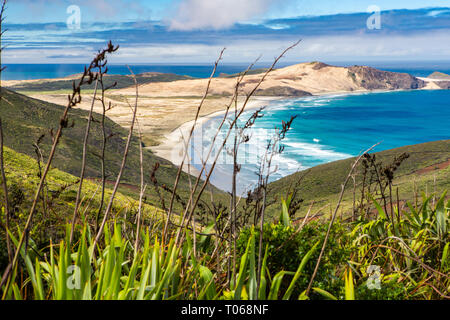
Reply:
x=215, y=14
x=421, y=34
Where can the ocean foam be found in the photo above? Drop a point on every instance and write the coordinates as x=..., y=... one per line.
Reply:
x=315, y=150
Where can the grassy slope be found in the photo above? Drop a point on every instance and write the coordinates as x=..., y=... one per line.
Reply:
x=439, y=76
x=250, y=72
x=61, y=187
x=26, y=119
x=123, y=81
x=322, y=184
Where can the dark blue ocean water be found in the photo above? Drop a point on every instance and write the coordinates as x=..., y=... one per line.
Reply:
x=51, y=71
x=330, y=128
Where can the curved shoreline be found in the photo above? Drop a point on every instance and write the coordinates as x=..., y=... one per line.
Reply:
x=173, y=144
x=172, y=147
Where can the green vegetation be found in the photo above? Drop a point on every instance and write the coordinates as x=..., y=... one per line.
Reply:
x=287, y=246
x=439, y=76
x=26, y=120
x=426, y=170
x=122, y=81
x=153, y=274
x=250, y=72
x=410, y=258
x=409, y=243
x=283, y=91
x=57, y=200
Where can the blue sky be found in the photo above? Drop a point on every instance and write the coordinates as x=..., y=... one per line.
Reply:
x=25, y=11
x=194, y=31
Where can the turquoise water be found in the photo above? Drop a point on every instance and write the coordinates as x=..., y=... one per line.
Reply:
x=335, y=127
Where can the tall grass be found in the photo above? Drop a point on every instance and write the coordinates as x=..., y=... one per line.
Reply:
x=157, y=272
x=414, y=257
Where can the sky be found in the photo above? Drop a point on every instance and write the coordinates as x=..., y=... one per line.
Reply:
x=194, y=31
x=26, y=11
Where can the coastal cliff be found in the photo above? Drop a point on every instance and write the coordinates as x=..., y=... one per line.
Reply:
x=374, y=79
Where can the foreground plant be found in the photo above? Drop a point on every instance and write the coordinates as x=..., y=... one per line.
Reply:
x=413, y=253
x=156, y=272
x=118, y=273
x=73, y=99
x=411, y=262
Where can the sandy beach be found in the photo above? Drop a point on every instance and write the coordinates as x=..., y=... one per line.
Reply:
x=174, y=143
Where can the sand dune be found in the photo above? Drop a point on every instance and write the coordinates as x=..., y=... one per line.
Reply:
x=309, y=78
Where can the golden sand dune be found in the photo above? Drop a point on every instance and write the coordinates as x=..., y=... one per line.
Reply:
x=303, y=79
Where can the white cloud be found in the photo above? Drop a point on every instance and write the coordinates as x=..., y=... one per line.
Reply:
x=216, y=14
x=426, y=46
x=437, y=13
x=277, y=26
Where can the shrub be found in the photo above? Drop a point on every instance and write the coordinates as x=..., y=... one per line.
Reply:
x=3, y=252
x=287, y=248
x=389, y=290
x=16, y=197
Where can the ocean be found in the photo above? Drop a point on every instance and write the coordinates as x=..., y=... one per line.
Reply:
x=330, y=128
x=52, y=71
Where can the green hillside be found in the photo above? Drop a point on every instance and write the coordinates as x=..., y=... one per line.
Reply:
x=26, y=119
x=122, y=81
x=439, y=76
x=22, y=177
x=249, y=72
x=55, y=208
x=426, y=170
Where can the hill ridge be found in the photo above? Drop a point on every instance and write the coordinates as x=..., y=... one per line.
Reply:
x=322, y=184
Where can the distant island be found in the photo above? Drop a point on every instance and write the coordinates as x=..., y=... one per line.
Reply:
x=439, y=76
